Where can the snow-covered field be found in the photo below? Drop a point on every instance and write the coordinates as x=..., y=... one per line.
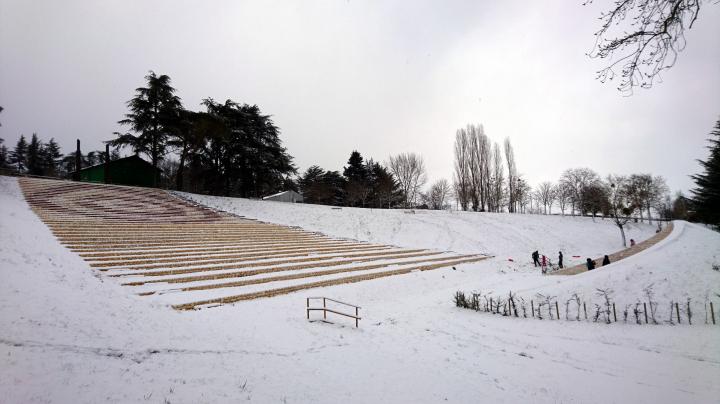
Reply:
x=69, y=335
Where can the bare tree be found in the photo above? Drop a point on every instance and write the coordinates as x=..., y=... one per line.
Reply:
x=642, y=38
x=409, y=170
x=638, y=191
x=656, y=195
x=546, y=195
x=562, y=196
x=462, y=183
x=512, y=175
x=497, y=180
x=480, y=166
x=522, y=195
x=578, y=181
x=438, y=194
x=620, y=206
x=659, y=194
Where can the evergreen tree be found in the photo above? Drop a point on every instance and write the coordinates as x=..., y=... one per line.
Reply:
x=18, y=157
x=357, y=188
x=3, y=150
x=153, y=112
x=384, y=189
x=706, y=197
x=246, y=156
x=34, y=158
x=322, y=187
x=355, y=170
x=51, y=157
x=3, y=155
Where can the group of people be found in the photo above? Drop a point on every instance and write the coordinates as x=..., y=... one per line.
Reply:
x=591, y=264
x=543, y=262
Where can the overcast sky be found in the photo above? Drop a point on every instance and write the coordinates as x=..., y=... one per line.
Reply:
x=382, y=77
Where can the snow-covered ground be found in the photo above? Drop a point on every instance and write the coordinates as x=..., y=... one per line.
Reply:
x=502, y=234
x=69, y=335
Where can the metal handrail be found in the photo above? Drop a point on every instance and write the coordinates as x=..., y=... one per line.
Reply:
x=325, y=310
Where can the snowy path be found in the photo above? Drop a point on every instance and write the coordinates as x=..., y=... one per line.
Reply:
x=622, y=254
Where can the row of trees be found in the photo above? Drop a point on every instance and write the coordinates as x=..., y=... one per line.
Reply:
x=362, y=184
x=480, y=181
x=486, y=179
x=45, y=158
x=36, y=157
x=234, y=149
x=228, y=149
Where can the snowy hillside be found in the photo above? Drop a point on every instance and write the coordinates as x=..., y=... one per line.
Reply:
x=68, y=334
x=501, y=234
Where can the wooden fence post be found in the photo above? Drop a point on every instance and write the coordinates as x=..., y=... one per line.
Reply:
x=557, y=310
x=614, y=313
x=712, y=312
x=585, y=310
x=689, y=313
x=491, y=307
x=532, y=307
x=677, y=311
x=645, y=311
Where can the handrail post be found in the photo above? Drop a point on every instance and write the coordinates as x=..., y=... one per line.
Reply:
x=324, y=310
x=356, y=317
x=307, y=308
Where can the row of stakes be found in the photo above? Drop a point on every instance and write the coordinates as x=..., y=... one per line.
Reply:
x=674, y=306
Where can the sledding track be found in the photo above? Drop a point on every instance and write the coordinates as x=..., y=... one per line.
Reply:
x=189, y=256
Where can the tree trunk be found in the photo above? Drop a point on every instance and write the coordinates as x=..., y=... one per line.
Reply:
x=181, y=167
x=622, y=233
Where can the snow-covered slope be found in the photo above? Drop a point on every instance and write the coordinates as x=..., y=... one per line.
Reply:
x=66, y=335
x=504, y=235
x=677, y=268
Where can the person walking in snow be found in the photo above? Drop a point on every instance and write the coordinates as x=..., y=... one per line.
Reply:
x=606, y=260
x=560, y=257
x=632, y=242
x=536, y=258
x=590, y=264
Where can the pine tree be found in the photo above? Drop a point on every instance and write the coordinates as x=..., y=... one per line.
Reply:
x=18, y=157
x=3, y=155
x=153, y=112
x=51, y=157
x=357, y=188
x=34, y=159
x=706, y=200
x=355, y=171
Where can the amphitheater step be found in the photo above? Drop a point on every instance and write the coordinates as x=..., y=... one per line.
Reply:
x=160, y=246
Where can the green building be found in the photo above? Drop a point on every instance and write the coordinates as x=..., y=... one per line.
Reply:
x=125, y=171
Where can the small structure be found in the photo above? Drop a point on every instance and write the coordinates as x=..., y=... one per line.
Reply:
x=125, y=171
x=285, y=196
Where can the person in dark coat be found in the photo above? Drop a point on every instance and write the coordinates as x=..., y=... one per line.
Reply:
x=536, y=258
x=560, y=257
x=606, y=260
x=590, y=264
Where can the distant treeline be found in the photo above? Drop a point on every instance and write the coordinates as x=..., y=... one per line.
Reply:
x=234, y=149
